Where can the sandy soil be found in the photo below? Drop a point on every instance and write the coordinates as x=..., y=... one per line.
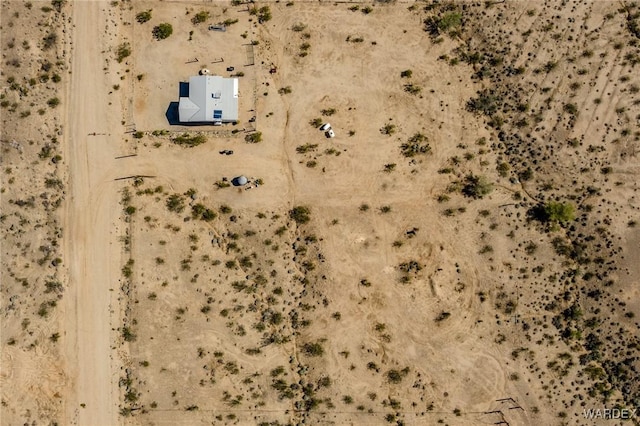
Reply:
x=402, y=299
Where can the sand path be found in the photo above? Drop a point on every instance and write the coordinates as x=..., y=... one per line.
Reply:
x=90, y=212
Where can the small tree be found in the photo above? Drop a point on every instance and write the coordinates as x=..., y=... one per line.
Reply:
x=553, y=212
x=559, y=212
x=476, y=186
x=162, y=31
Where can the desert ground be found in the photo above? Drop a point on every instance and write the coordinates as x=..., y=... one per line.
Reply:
x=465, y=251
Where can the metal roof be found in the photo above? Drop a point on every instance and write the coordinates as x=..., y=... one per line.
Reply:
x=211, y=98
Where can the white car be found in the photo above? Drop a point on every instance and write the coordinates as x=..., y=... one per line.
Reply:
x=330, y=133
x=325, y=126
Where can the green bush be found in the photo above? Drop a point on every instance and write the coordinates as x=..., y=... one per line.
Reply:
x=124, y=50
x=143, y=17
x=406, y=74
x=313, y=349
x=253, y=137
x=316, y=122
x=476, y=186
x=200, y=17
x=388, y=129
x=162, y=31
x=175, y=203
x=189, y=141
x=53, y=102
x=50, y=40
x=300, y=214
x=417, y=144
x=559, y=212
x=449, y=21
x=298, y=27
x=263, y=13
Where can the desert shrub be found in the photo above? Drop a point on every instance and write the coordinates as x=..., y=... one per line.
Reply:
x=263, y=13
x=486, y=103
x=123, y=51
x=570, y=108
x=503, y=169
x=53, y=102
x=300, y=214
x=189, y=141
x=128, y=335
x=449, y=21
x=412, y=89
x=162, y=31
x=395, y=376
x=316, y=122
x=406, y=74
x=328, y=112
x=476, y=186
x=298, y=27
x=559, y=212
x=303, y=149
x=313, y=349
x=175, y=203
x=57, y=5
x=144, y=16
x=284, y=90
x=253, y=137
x=200, y=17
x=388, y=129
x=49, y=40
x=417, y=144
x=442, y=316
x=200, y=211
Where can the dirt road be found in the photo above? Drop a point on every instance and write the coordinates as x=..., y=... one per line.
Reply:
x=91, y=249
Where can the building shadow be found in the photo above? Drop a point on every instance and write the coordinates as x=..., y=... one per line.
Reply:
x=172, y=114
x=184, y=89
x=172, y=111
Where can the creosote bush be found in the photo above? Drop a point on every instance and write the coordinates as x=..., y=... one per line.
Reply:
x=300, y=214
x=162, y=31
x=144, y=16
x=476, y=186
x=190, y=141
x=254, y=137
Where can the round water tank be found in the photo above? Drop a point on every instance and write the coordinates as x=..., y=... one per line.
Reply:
x=240, y=180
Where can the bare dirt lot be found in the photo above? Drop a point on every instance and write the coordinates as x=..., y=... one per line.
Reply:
x=463, y=252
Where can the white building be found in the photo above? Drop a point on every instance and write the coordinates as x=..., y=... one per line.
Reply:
x=212, y=99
